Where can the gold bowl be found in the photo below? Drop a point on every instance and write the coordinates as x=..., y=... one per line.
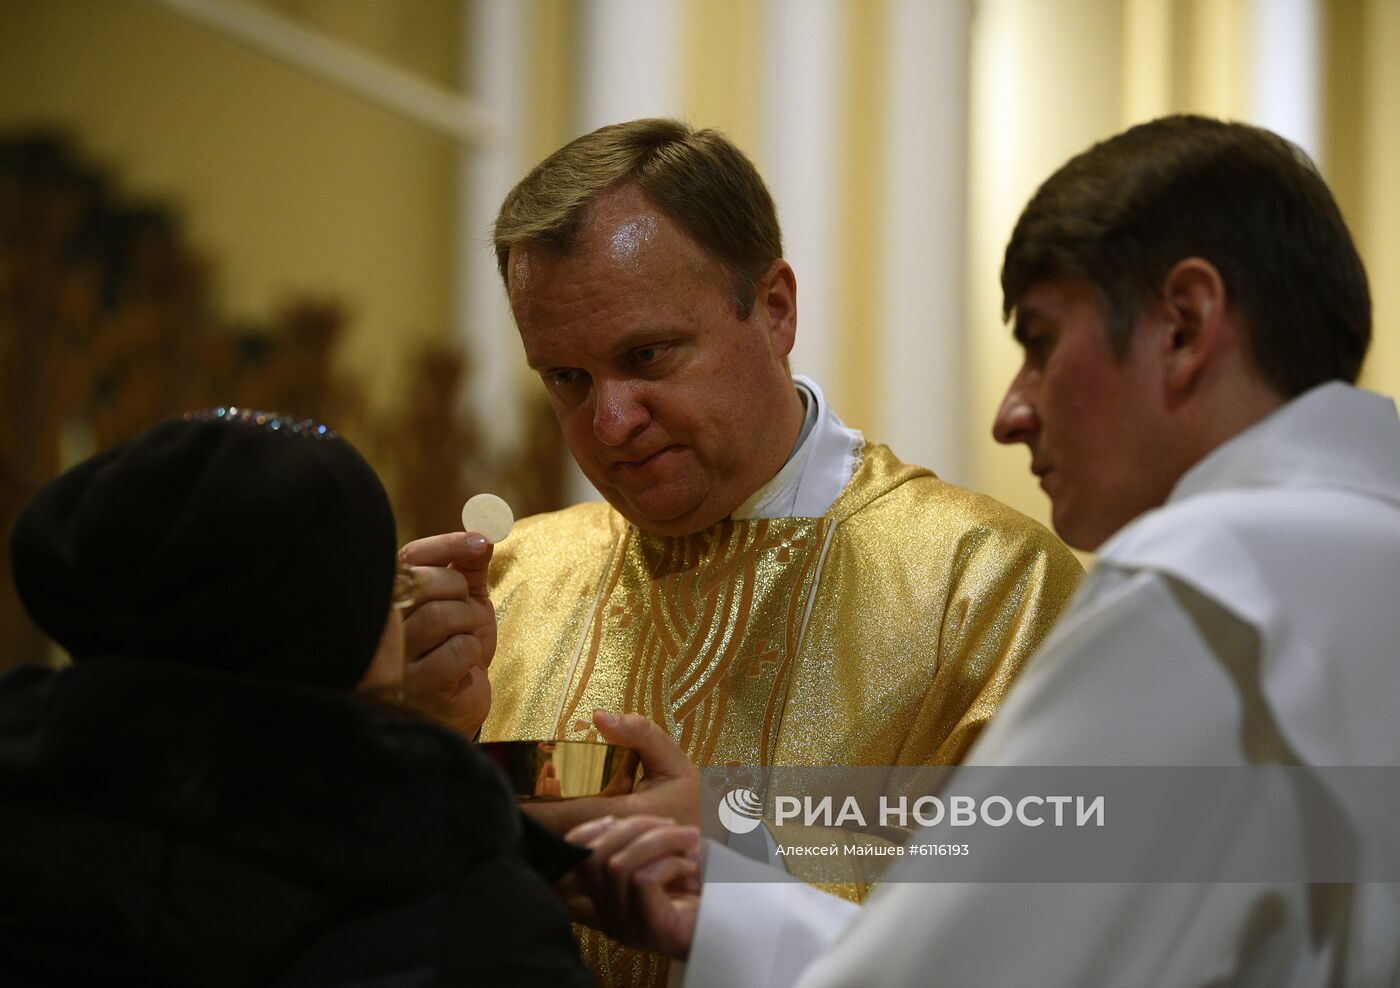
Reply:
x=563, y=769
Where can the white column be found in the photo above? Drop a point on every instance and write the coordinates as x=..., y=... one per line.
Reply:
x=631, y=57
x=1284, y=88
x=495, y=34
x=925, y=223
x=799, y=161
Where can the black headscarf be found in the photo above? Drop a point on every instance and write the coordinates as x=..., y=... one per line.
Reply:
x=235, y=541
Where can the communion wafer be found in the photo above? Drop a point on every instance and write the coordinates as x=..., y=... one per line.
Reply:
x=488, y=515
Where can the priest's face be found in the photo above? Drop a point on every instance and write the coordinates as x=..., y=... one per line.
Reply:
x=675, y=408
x=1094, y=422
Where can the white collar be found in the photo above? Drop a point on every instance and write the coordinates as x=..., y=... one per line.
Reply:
x=1333, y=435
x=817, y=470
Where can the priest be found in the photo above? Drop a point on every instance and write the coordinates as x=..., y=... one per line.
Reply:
x=761, y=581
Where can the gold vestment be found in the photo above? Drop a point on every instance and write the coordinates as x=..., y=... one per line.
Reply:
x=885, y=632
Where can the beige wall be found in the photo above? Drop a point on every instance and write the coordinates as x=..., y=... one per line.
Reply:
x=289, y=185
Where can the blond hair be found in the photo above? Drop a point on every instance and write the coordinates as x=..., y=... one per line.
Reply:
x=699, y=178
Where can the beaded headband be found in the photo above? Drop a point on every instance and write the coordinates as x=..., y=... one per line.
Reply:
x=268, y=420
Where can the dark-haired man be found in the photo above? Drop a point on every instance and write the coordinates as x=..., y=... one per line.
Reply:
x=762, y=582
x=1193, y=313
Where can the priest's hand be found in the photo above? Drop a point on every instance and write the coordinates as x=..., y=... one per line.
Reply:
x=669, y=786
x=450, y=631
x=641, y=884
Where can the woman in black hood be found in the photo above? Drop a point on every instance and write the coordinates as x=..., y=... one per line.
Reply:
x=202, y=798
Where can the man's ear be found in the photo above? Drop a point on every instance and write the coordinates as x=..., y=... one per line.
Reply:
x=1195, y=305
x=776, y=300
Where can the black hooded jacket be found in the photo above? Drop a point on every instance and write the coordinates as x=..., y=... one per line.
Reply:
x=201, y=799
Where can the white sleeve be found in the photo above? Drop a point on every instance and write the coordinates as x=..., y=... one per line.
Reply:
x=759, y=926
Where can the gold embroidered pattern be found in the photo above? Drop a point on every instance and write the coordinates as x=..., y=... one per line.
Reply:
x=699, y=634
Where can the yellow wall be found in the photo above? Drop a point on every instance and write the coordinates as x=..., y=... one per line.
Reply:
x=859, y=304
x=1050, y=77
x=720, y=69
x=1046, y=82
x=1375, y=212
x=289, y=185
x=294, y=186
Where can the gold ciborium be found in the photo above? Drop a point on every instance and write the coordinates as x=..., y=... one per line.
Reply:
x=563, y=769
